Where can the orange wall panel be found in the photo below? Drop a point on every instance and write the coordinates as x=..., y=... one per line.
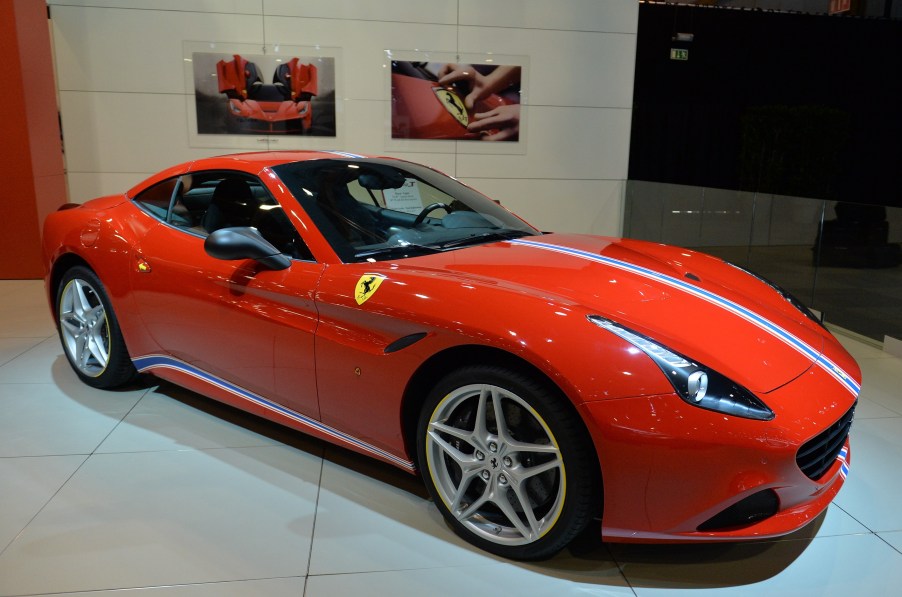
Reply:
x=31, y=161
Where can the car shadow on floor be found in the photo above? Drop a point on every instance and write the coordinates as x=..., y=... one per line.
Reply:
x=712, y=565
x=587, y=560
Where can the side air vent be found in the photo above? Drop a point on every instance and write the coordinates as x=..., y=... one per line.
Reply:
x=402, y=343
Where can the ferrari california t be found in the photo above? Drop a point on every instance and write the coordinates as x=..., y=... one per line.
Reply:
x=535, y=380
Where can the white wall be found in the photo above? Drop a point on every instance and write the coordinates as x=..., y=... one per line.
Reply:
x=124, y=99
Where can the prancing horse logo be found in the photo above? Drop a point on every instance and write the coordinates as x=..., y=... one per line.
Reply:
x=452, y=103
x=366, y=287
x=494, y=463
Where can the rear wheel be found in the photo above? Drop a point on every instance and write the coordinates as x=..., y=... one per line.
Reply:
x=508, y=463
x=90, y=332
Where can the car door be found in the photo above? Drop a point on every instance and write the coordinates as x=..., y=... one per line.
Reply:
x=232, y=321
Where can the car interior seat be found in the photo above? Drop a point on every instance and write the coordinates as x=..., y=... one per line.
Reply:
x=252, y=79
x=233, y=204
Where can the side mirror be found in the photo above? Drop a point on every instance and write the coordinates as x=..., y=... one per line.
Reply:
x=244, y=243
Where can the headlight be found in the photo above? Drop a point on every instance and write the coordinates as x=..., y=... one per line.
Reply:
x=788, y=296
x=696, y=384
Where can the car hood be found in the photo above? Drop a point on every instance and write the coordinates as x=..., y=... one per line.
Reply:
x=695, y=304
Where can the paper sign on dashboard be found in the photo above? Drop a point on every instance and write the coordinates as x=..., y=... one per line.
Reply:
x=406, y=199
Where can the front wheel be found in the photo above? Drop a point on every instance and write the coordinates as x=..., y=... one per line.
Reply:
x=90, y=332
x=507, y=461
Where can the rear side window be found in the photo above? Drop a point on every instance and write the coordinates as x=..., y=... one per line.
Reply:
x=157, y=198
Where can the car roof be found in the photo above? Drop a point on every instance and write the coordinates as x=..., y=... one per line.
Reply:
x=252, y=161
x=275, y=158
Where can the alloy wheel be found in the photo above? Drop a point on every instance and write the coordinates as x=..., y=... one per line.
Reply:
x=495, y=464
x=84, y=328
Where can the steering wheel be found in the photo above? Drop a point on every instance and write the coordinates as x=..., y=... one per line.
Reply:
x=429, y=209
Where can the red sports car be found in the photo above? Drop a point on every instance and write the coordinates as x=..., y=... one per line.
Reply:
x=535, y=380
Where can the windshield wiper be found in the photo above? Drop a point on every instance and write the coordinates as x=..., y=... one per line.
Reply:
x=485, y=237
x=408, y=250
x=413, y=249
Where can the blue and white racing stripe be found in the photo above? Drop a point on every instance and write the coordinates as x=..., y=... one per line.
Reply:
x=843, y=458
x=156, y=361
x=814, y=355
x=345, y=154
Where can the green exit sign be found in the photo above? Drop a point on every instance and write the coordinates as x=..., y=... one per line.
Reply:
x=679, y=54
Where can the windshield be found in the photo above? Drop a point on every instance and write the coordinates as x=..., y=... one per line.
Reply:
x=373, y=209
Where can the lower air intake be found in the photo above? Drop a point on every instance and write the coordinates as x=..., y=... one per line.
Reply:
x=757, y=506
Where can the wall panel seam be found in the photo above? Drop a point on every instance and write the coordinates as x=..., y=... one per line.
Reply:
x=348, y=99
x=141, y=9
x=599, y=31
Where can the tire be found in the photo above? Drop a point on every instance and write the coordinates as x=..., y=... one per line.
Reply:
x=523, y=490
x=89, y=331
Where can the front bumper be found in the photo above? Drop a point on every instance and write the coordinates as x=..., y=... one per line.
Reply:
x=669, y=468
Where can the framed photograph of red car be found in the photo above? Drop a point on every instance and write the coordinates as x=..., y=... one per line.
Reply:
x=442, y=96
x=240, y=91
x=536, y=381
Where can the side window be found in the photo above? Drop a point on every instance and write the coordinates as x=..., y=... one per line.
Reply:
x=156, y=199
x=207, y=201
x=275, y=227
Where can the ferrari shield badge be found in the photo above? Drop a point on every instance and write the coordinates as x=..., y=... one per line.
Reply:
x=453, y=104
x=366, y=287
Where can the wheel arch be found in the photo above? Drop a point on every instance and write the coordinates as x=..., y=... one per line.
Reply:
x=457, y=357
x=97, y=324
x=61, y=265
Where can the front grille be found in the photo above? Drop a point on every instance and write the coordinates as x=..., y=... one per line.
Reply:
x=816, y=456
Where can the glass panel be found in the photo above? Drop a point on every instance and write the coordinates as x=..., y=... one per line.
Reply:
x=783, y=251
x=839, y=258
x=375, y=209
x=859, y=278
x=155, y=200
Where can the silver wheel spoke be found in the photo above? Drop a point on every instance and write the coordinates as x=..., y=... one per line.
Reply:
x=462, y=489
x=500, y=421
x=520, y=474
x=80, y=301
x=475, y=506
x=520, y=492
x=82, y=354
x=481, y=430
x=525, y=472
x=69, y=327
x=462, y=434
x=95, y=313
x=95, y=345
x=464, y=461
x=534, y=448
x=508, y=510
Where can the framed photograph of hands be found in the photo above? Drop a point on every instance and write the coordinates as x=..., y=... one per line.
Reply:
x=438, y=96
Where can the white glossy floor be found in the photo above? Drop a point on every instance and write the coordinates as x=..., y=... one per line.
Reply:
x=161, y=491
